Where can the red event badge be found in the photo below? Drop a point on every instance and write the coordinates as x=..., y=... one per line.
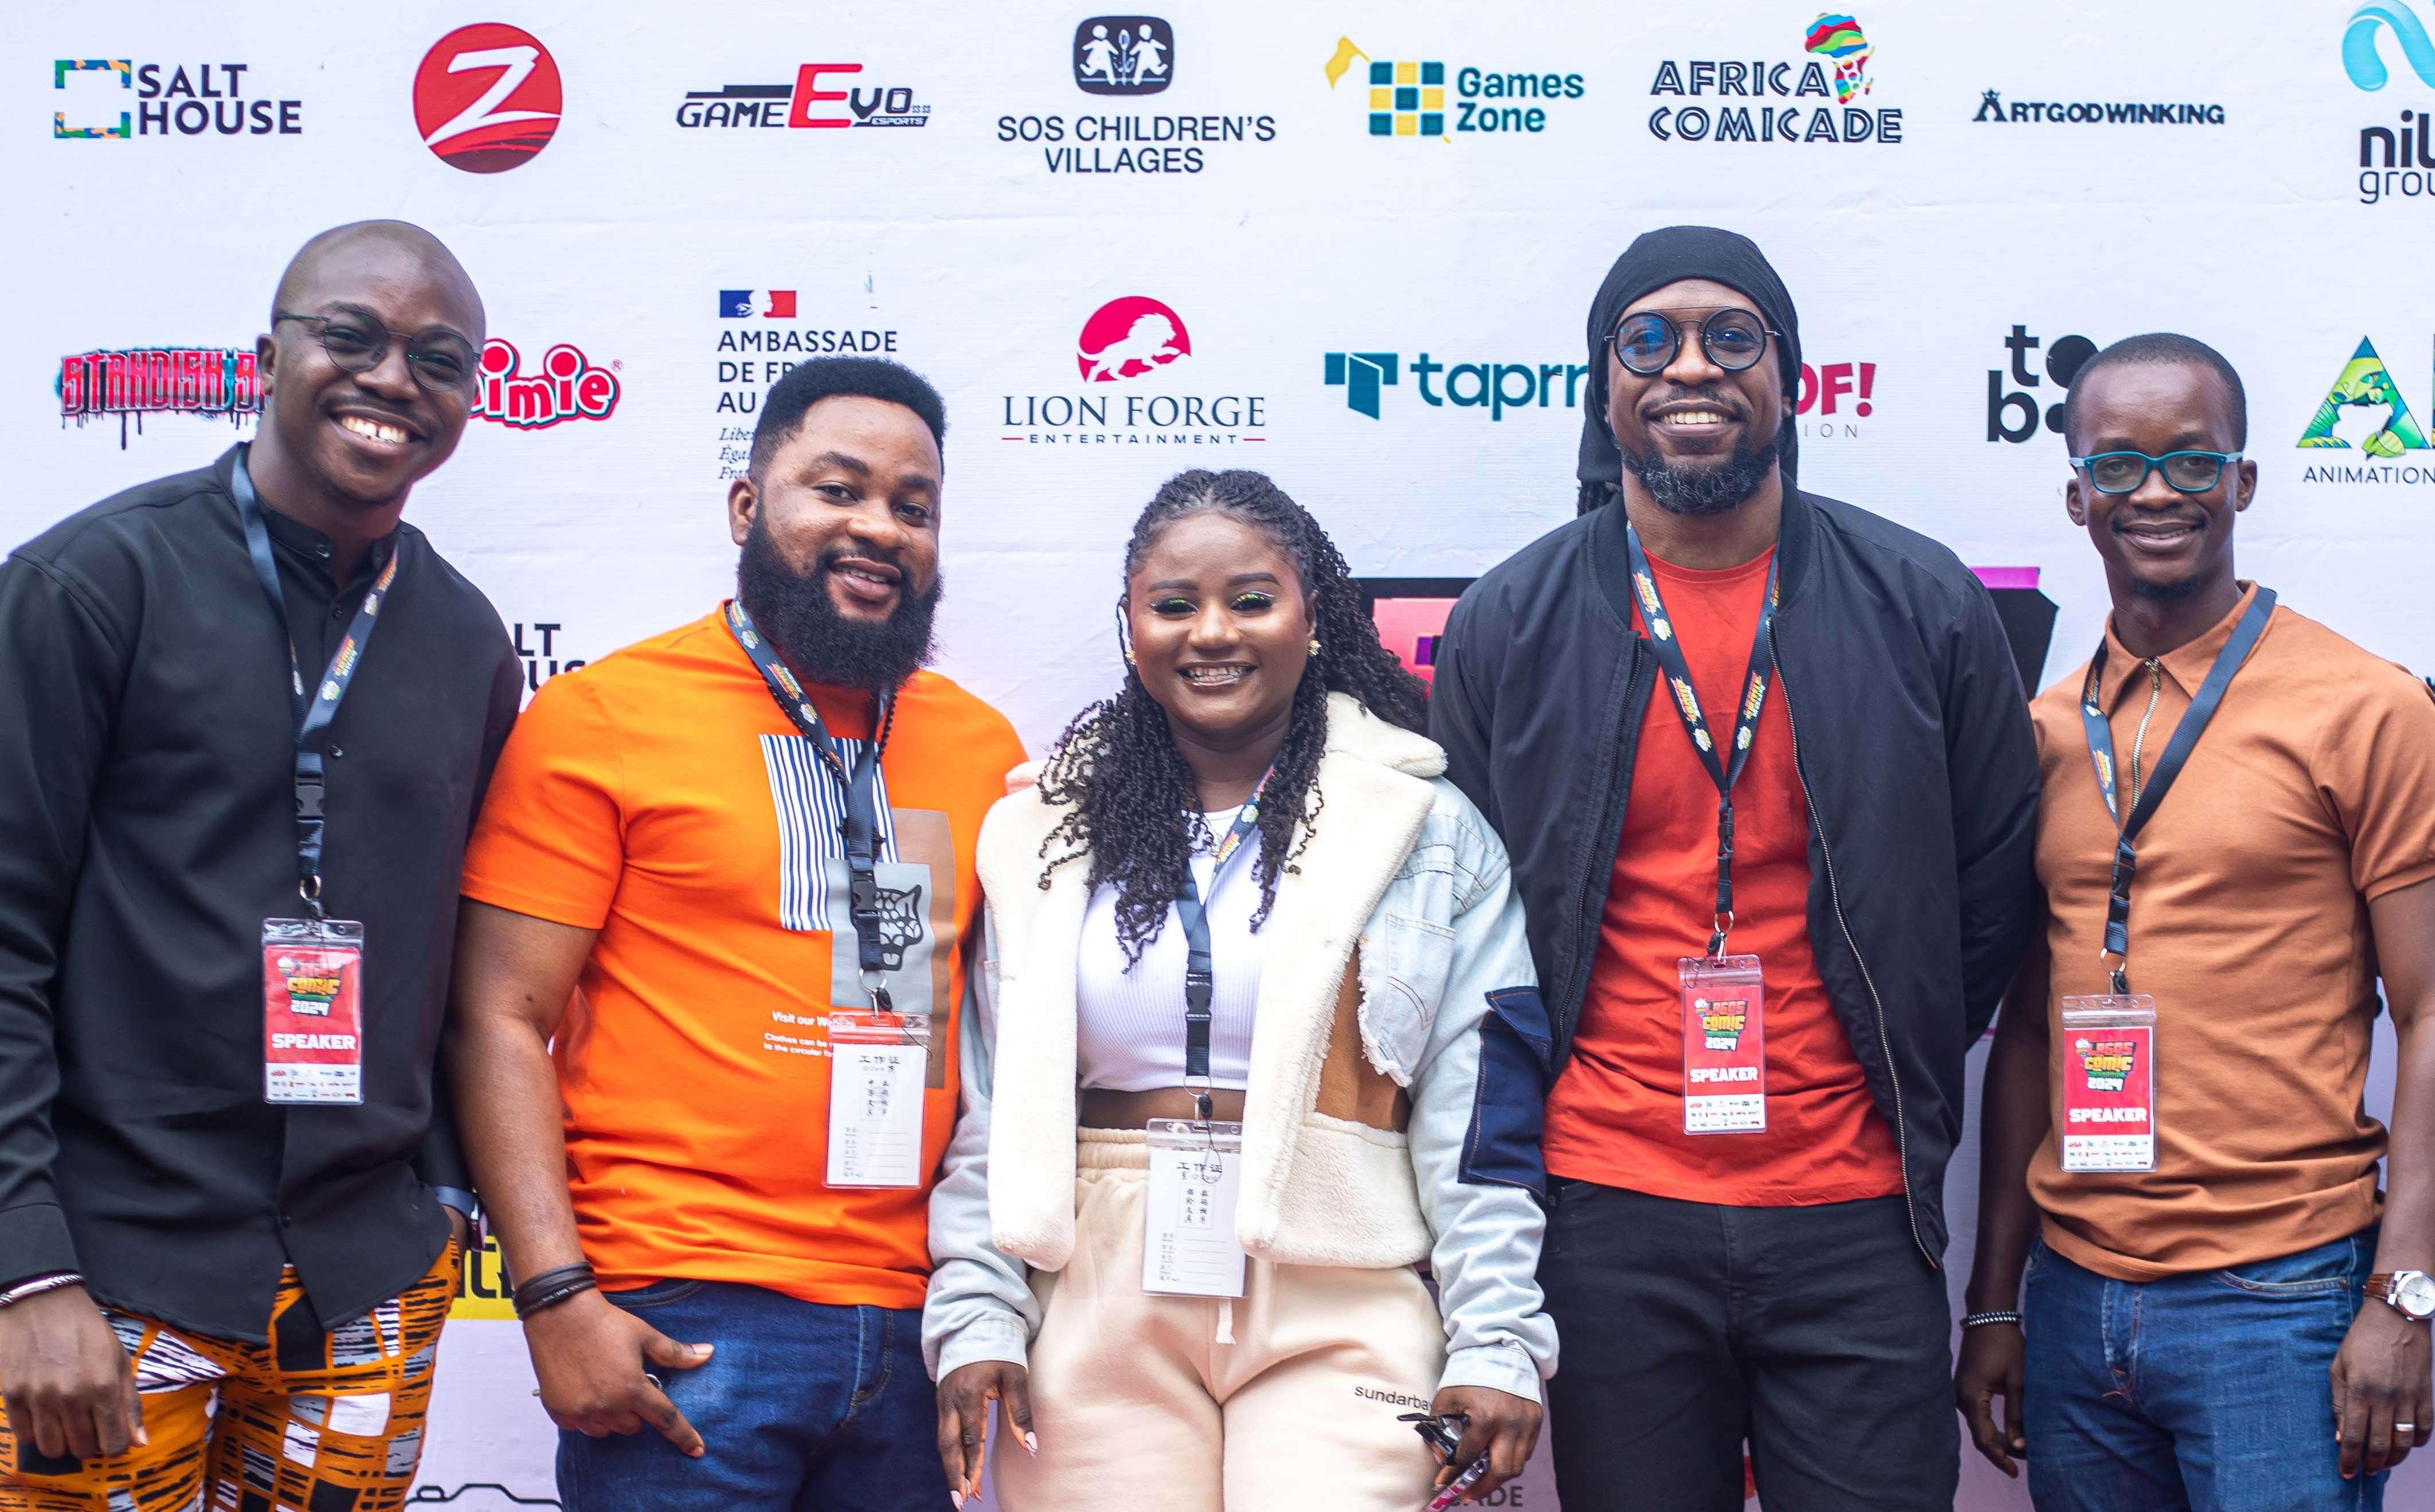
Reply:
x=312, y=1010
x=1724, y=1044
x=2108, y=1067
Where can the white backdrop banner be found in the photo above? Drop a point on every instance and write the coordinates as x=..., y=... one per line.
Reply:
x=1348, y=244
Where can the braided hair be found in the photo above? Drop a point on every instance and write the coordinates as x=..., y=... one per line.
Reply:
x=1132, y=804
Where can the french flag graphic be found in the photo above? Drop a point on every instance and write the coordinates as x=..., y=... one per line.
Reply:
x=742, y=304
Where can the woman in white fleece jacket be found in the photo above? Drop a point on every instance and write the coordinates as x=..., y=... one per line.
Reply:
x=1372, y=1025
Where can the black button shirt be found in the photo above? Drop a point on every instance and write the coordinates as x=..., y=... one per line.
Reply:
x=148, y=829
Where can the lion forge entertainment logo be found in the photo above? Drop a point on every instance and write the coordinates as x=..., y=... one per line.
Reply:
x=2106, y=1063
x=487, y=97
x=1127, y=337
x=221, y=384
x=1721, y=1022
x=564, y=387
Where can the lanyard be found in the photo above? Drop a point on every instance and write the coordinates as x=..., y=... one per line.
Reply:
x=861, y=828
x=1695, y=723
x=1200, y=963
x=314, y=713
x=2177, y=750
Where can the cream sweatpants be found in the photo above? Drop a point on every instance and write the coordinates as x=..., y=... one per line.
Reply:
x=1138, y=1408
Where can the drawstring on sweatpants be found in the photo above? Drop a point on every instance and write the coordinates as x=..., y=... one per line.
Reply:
x=1225, y=1320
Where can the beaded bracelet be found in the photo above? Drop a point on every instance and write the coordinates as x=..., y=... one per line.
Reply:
x=1981, y=1320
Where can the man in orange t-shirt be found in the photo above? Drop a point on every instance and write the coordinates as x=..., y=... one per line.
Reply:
x=707, y=927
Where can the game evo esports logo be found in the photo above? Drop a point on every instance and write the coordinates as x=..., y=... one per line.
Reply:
x=1123, y=54
x=1836, y=68
x=1411, y=98
x=487, y=97
x=824, y=96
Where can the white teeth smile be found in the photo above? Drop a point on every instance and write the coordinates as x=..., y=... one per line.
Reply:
x=1695, y=417
x=1215, y=677
x=868, y=576
x=372, y=430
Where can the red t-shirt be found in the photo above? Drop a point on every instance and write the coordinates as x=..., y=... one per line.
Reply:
x=1615, y=1117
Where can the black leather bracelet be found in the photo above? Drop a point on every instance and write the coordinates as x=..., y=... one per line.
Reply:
x=552, y=1287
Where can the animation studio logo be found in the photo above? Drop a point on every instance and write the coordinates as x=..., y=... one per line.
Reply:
x=564, y=387
x=1124, y=55
x=1115, y=56
x=217, y=382
x=1365, y=375
x=487, y=97
x=1137, y=389
x=2364, y=411
x=2012, y=415
x=1408, y=98
x=181, y=105
x=812, y=102
x=763, y=334
x=1837, y=69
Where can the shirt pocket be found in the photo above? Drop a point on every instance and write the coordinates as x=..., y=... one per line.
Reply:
x=1405, y=963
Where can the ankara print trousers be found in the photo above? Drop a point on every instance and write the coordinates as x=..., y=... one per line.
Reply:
x=314, y=1420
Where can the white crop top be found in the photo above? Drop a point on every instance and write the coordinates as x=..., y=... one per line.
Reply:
x=1129, y=1033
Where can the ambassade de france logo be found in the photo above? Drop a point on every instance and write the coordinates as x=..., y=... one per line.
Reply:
x=1128, y=337
x=487, y=97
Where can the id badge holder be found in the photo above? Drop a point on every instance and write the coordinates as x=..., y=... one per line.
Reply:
x=312, y=1011
x=1196, y=1173
x=1724, y=1044
x=878, y=1063
x=2108, y=1067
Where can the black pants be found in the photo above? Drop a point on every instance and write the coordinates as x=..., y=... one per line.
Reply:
x=1818, y=1334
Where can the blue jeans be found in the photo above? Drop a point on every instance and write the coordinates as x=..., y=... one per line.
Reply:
x=802, y=1407
x=2207, y=1392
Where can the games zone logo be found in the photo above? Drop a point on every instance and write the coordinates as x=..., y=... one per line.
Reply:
x=487, y=97
x=218, y=383
x=1122, y=341
x=804, y=105
x=190, y=105
x=565, y=387
x=1409, y=98
x=1835, y=44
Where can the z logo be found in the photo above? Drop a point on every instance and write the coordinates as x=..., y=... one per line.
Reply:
x=515, y=66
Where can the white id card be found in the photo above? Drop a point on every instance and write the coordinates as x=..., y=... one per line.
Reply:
x=1188, y=1246
x=877, y=1065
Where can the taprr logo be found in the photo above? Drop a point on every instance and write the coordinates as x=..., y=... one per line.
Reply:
x=487, y=97
x=1128, y=337
x=566, y=387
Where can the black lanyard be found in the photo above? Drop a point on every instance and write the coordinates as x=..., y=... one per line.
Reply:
x=314, y=711
x=861, y=826
x=1200, y=961
x=1724, y=772
x=2177, y=750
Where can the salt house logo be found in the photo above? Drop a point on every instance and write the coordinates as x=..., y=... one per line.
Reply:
x=216, y=382
x=1124, y=55
x=487, y=97
x=1411, y=98
x=210, y=100
x=563, y=385
x=1128, y=337
x=1836, y=71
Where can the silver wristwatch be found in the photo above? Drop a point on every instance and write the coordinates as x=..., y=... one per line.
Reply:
x=2409, y=1292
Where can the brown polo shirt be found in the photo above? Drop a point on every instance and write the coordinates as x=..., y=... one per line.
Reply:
x=2311, y=793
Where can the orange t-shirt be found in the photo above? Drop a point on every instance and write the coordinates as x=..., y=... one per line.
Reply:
x=1615, y=1117
x=660, y=797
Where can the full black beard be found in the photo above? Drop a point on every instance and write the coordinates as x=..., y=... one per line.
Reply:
x=822, y=646
x=1707, y=489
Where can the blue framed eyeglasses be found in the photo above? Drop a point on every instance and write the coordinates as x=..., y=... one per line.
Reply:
x=2125, y=472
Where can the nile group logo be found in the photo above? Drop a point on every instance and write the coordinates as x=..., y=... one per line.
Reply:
x=1128, y=337
x=2360, y=58
x=812, y=102
x=1411, y=98
x=2012, y=415
x=1490, y=386
x=218, y=383
x=210, y=100
x=1124, y=55
x=1836, y=68
x=2394, y=161
x=563, y=385
x=1136, y=389
x=487, y=97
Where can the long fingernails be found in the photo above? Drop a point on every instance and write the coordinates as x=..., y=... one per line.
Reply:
x=1032, y=1443
x=957, y=1497
x=143, y=1438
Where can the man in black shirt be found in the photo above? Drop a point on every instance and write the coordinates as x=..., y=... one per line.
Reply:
x=199, y=1209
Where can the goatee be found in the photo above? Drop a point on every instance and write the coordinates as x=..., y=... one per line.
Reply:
x=799, y=618
x=1707, y=488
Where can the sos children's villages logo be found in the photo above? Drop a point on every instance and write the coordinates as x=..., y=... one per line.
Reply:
x=1837, y=47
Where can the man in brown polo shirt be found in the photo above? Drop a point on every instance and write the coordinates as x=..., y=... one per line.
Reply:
x=2223, y=1310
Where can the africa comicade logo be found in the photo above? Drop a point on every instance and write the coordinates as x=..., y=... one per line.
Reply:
x=1837, y=69
x=1408, y=98
x=805, y=104
x=2393, y=161
x=181, y=104
x=1122, y=343
x=487, y=97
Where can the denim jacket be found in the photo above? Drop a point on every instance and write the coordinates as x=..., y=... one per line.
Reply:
x=1401, y=868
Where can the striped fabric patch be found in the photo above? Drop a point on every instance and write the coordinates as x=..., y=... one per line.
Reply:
x=811, y=824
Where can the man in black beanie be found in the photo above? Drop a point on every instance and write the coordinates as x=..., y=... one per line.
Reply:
x=1771, y=906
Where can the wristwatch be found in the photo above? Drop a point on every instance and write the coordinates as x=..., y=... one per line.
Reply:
x=2409, y=1292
